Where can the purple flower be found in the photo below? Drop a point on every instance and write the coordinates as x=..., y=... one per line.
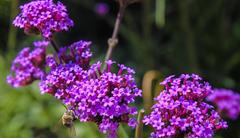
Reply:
x=227, y=102
x=101, y=9
x=105, y=97
x=43, y=16
x=61, y=78
x=180, y=109
x=67, y=69
x=78, y=52
x=27, y=66
x=41, y=43
x=96, y=96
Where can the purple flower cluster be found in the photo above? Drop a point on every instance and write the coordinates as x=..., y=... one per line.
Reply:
x=78, y=53
x=105, y=98
x=61, y=77
x=69, y=68
x=227, y=102
x=43, y=16
x=180, y=109
x=27, y=66
x=94, y=95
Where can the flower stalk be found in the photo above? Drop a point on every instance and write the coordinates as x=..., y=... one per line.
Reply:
x=147, y=85
x=122, y=133
x=12, y=30
x=139, y=128
x=54, y=45
x=113, y=41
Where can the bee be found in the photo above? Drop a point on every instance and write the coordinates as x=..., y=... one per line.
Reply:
x=28, y=30
x=67, y=120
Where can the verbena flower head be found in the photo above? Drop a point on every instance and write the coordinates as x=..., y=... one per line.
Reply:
x=227, y=102
x=43, y=16
x=78, y=52
x=27, y=66
x=61, y=78
x=67, y=69
x=105, y=97
x=180, y=109
x=96, y=96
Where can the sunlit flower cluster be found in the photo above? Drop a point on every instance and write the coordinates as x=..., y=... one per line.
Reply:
x=67, y=69
x=105, y=98
x=43, y=16
x=93, y=94
x=180, y=109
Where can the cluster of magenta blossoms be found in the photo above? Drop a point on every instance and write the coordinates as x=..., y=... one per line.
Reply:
x=43, y=16
x=28, y=65
x=181, y=111
x=227, y=102
x=105, y=97
x=95, y=95
x=69, y=67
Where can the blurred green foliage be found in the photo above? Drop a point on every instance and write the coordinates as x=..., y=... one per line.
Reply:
x=180, y=36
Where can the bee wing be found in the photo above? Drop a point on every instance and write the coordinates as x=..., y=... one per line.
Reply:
x=72, y=132
x=58, y=126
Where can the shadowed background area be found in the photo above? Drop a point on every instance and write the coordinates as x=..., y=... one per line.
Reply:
x=172, y=37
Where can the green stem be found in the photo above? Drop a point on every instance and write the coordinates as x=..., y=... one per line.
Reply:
x=139, y=128
x=55, y=45
x=122, y=133
x=147, y=85
x=160, y=13
x=12, y=35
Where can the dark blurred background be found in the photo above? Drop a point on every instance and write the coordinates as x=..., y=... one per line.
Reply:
x=172, y=37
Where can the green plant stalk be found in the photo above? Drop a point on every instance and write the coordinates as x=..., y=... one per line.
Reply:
x=12, y=35
x=160, y=13
x=139, y=128
x=54, y=45
x=147, y=83
x=121, y=132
